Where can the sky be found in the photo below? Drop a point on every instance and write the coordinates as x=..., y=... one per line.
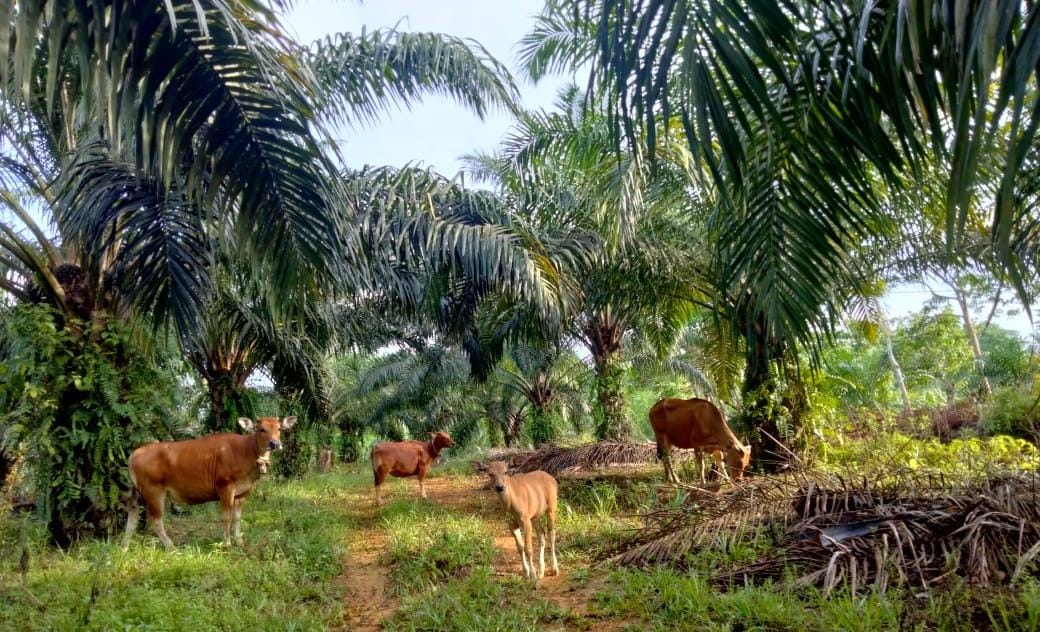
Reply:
x=436, y=132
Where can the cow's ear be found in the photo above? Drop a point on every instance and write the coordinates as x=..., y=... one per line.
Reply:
x=479, y=466
x=245, y=423
x=288, y=422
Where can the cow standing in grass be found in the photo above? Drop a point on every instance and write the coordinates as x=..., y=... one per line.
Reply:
x=698, y=424
x=222, y=467
x=407, y=458
x=527, y=497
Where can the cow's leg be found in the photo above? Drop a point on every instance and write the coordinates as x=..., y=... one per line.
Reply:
x=664, y=447
x=132, y=518
x=519, y=537
x=227, y=508
x=540, y=531
x=379, y=476
x=422, y=483
x=529, y=547
x=551, y=525
x=237, y=520
x=720, y=466
x=155, y=502
x=700, y=464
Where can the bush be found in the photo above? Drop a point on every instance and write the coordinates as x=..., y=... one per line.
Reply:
x=1012, y=411
x=76, y=401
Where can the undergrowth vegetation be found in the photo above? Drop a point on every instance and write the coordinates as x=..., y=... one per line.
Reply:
x=885, y=454
x=451, y=564
x=294, y=532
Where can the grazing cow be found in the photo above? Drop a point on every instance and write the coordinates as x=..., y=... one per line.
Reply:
x=222, y=467
x=325, y=460
x=407, y=458
x=698, y=424
x=527, y=497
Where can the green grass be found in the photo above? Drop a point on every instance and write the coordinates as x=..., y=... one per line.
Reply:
x=478, y=601
x=429, y=544
x=294, y=532
x=441, y=562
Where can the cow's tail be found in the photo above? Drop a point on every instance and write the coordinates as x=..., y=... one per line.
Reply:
x=130, y=497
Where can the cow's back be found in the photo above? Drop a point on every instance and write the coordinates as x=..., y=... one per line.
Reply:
x=539, y=489
x=398, y=458
x=688, y=423
x=192, y=469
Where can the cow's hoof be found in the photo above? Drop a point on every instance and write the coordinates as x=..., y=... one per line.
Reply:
x=554, y=571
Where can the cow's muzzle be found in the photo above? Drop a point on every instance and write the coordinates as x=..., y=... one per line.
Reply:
x=500, y=488
x=274, y=445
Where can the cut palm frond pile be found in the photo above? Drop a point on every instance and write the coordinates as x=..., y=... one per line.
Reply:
x=555, y=459
x=830, y=533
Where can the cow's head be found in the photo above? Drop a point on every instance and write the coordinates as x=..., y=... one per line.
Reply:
x=737, y=459
x=498, y=471
x=440, y=440
x=267, y=431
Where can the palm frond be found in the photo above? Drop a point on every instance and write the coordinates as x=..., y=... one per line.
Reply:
x=362, y=76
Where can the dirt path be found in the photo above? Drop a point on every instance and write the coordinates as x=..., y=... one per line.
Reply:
x=366, y=582
x=368, y=599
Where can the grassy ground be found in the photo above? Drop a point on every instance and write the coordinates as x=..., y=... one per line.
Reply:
x=319, y=555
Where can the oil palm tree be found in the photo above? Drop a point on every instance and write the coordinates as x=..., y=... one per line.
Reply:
x=148, y=145
x=638, y=267
x=551, y=382
x=832, y=94
x=158, y=134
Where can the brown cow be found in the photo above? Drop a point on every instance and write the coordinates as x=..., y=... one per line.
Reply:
x=407, y=458
x=697, y=423
x=222, y=467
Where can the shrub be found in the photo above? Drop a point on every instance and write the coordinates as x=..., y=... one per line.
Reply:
x=1012, y=411
x=76, y=401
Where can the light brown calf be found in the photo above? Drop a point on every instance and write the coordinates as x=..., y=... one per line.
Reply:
x=698, y=424
x=527, y=497
x=407, y=458
x=222, y=467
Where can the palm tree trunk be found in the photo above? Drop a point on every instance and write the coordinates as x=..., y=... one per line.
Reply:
x=541, y=429
x=759, y=415
x=514, y=429
x=227, y=402
x=604, y=339
x=611, y=421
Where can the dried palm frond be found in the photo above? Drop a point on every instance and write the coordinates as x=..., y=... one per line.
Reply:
x=831, y=533
x=555, y=459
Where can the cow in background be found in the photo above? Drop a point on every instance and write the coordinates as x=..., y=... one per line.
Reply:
x=407, y=458
x=222, y=467
x=325, y=460
x=699, y=425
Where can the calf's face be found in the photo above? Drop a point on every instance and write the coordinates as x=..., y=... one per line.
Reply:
x=498, y=471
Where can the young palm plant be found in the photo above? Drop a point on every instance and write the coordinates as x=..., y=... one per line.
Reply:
x=551, y=381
